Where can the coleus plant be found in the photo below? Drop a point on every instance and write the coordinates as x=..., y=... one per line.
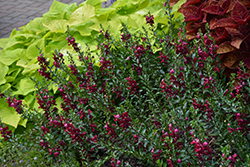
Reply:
x=229, y=25
x=159, y=108
x=18, y=59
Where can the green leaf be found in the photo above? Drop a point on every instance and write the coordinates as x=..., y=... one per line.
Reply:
x=131, y=22
x=26, y=86
x=138, y=19
x=33, y=51
x=22, y=62
x=13, y=32
x=82, y=14
x=8, y=115
x=83, y=28
x=177, y=6
x=30, y=68
x=95, y=2
x=9, y=57
x=115, y=28
x=4, y=71
x=70, y=9
x=160, y=16
x=56, y=25
x=57, y=6
x=25, y=37
x=49, y=49
x=12, y=74
x=28, y=99
x=37, y=25
x=143, y=4
x=58, y=103
x=4, y=87
x=56, y=11
x=4, y=42
x=23, y=122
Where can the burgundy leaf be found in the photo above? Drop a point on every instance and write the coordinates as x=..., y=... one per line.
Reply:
x=240, y=13
x=191, y=2
x=221, y=34
x=225, y=22
x=233, y=31
x=229, y=60
x=213, y=9
x=191, y=28
x=237, y=42
x=225, y=6
x=247, y=62
x=225, y=47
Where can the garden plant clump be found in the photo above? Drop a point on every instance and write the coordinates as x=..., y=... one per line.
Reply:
x=140, y=106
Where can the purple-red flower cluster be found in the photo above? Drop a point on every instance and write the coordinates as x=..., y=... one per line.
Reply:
x=72, y=42
x=5, y=132
x=17, y=104
x=133, y=86
x=43, y=67
x=150, y=19
x=124, y=120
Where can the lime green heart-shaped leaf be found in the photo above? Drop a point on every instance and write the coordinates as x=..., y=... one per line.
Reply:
x=8, y=57
x=33, y=51
x=26, y=85
x=82, y=14
x=83, y=28
x=56, y=25
x=4, y=87
x=69, y=10
x=143, y=4
x=8, y=115
x=5, y=41
x=23, y=122
x=94, y=2
x=56, y=11
x=37, y=25
x=4, y=71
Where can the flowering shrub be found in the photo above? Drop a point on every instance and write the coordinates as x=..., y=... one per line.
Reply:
x=141, y=107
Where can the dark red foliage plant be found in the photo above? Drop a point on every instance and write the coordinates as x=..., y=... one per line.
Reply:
x=141, y=106
x=229, y=25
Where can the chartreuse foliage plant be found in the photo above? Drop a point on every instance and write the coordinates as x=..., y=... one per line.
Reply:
x=138, y=106
x=18, y=60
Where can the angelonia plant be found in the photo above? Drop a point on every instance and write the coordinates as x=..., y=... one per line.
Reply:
x=139, y=106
